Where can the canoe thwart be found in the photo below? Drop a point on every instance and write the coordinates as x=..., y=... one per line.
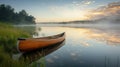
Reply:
x=21, y=38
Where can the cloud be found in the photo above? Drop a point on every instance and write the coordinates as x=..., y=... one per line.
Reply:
x=110, y=11
x=72, y=11
x=88, y=2
x=83, y=3
x=66, y=12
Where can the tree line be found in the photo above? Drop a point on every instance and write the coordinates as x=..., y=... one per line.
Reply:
x=8, y=15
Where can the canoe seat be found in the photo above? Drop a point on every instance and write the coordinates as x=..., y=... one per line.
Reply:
x=21, y=38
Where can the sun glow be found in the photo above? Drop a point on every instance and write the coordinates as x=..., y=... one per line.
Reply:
x=64, y=16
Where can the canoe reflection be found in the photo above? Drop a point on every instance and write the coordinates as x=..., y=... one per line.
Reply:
x=37, y=54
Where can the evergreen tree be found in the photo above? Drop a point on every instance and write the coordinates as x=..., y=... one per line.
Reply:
x=7, y=14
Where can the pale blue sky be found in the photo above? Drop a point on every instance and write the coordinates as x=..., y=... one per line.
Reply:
x=56, y=10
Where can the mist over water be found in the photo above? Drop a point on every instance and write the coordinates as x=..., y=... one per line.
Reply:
x=99, y=24
x=86, y=45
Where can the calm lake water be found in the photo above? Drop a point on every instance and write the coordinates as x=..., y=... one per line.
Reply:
x=85, y=45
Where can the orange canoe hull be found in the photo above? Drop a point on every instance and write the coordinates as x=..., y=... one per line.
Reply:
x=26, y=45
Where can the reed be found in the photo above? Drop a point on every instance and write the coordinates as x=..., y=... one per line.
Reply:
x=9, y=36
x=8, y=40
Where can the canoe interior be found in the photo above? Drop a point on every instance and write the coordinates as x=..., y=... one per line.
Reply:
x=30, y=44
x=48, y=37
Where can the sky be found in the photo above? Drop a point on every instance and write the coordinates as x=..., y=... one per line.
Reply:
x=61, y=10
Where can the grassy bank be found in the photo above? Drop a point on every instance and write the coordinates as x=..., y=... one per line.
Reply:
x=9, y=36
x=8, y=40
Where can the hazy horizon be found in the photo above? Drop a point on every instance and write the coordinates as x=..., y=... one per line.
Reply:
x=67, y=10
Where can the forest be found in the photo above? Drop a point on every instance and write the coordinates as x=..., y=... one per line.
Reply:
x=8, y=15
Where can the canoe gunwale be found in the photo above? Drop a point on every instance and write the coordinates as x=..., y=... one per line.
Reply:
x=47, y=37
x=55, y=38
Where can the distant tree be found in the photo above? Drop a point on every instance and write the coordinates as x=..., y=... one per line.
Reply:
x=24, y=17
x=30, y=18
x=23, y=13
x=7, y=14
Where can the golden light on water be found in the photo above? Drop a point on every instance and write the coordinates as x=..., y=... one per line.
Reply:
x=82, y=34
x=105, y=37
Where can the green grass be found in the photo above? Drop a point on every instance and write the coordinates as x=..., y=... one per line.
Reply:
x=7, y=61
x=40, y=63
x=8, y=41
x=9, y=36
x=29, y=29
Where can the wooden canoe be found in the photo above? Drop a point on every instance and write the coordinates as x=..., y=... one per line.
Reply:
x=37, y=54
x=30, y=44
